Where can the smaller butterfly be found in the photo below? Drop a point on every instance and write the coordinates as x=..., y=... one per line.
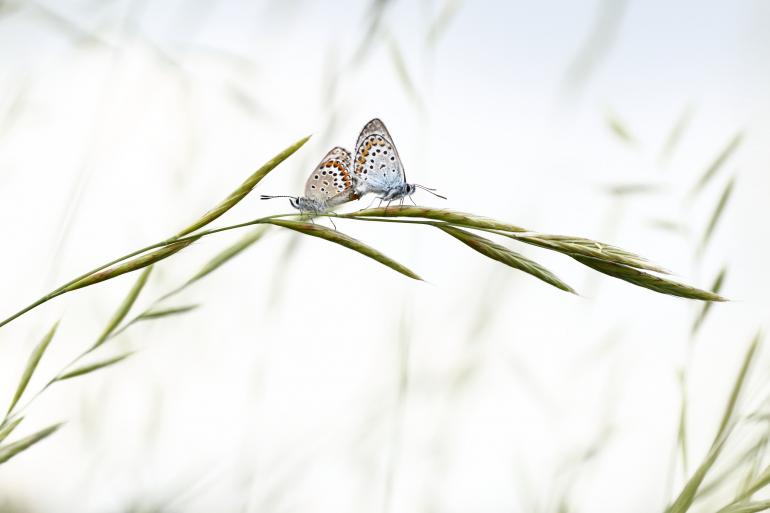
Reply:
x=328, y=186
x=378, y=168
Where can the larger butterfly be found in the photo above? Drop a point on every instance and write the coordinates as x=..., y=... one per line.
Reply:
x=378, y=168
x=328, y=186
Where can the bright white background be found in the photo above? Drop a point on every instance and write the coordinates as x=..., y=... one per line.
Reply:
x=121, y=122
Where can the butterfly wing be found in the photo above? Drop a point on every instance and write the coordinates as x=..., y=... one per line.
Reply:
x=377, y=166
x=330, y=184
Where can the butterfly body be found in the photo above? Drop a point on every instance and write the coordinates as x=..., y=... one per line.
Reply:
x=377, y=168
x=328, y=186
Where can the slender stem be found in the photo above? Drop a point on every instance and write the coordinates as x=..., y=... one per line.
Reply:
x=62, y=289
x=59, y=291
x=17, y=411
x=386, y=220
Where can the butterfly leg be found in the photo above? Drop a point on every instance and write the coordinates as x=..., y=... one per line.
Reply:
x=332, y=222
x=412, y=200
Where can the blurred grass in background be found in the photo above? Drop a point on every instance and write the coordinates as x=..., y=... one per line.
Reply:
x=291, y=387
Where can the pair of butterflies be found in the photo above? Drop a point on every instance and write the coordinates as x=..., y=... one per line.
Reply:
x=377, y=169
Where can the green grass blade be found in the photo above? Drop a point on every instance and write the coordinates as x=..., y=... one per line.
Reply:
x=9, y=451
x=716, y=288
x=322, y=232
x=726, y=473
x=727, y=417
x=504, y=255
x=755, y=465
x=124, y=307
x=437, y=214
x=34, y=359
x=761, y=481
x=648, y=281
x=166, y=312
x=245, y=188
x=717, y=213
x=7, y=427
x=718, y=163
x=87, y=369
x=746, y=507
x=690, y=490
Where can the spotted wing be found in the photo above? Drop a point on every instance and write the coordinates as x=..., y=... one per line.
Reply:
x=377, y=165
x=330, y=182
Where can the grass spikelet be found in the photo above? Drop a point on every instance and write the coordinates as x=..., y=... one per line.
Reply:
x=690, y=490
x=91, y=367
x=322, y=232
x=633, y=189
x=7, y=427
x=34, y=359
x=124, y=307
x=228, y=253
x=681, y=436
x=504, y=255
x=676, y=133
x=648, y=281
x=9, y=451
x=717, y=213
x=602, y=36
x=669, y=226
x=402, y=72
x=134, y=264
x=166, y=312
x=448, y=216
x=619, y=128
x=245, y=188
x=716, y=287
x=718, y=163
x=442, y=21
x=578, y=246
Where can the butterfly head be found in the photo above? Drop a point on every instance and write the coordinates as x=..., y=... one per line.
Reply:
x=308, y=205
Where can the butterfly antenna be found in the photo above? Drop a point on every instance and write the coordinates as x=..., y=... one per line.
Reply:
x=432, y=191
x=266, y=197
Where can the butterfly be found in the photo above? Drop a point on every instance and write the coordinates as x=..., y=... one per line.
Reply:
x=328, y=186
x=378, y=168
